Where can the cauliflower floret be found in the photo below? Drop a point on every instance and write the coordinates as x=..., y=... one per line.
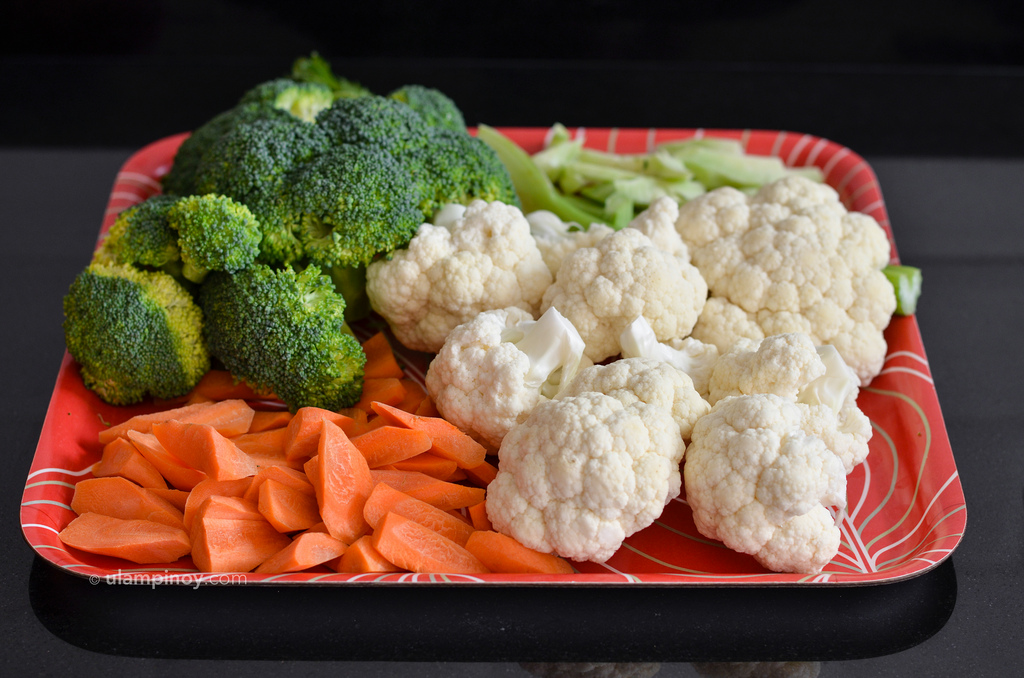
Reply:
x=557, y=239
x=583, y=473
x=658, y=222
x=791, y=259
x=689, y=355
x=653, y=382
x=791, y=366
x=602, y=289
x=759, y=480
x=493, y=370
x=484, y=260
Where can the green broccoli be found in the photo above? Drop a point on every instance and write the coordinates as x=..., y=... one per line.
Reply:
x=284, y=332
x=374, y=121
x=315, y=69
x=134, y=333
x=215, y=233
x=459, y=168
x=141, y=235
x=303, y=100
x=351, y=204
x=432, y=105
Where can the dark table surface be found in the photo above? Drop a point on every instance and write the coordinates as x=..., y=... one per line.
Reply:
x=946, y=144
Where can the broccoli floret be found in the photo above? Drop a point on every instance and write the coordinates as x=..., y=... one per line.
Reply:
x=134, y=333
x=303, y=100
x=284, y=332
x=141, y=235
x=374, y=121
x=215, y=233
x=351, y=204
x=432, y=105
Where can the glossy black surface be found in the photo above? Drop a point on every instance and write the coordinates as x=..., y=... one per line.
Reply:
x=933, y=106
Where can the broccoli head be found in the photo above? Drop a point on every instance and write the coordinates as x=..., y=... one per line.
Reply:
x=374, y=121
x=432, y=105
x=303, y=100
x=215, y=233
x=134, y=333
x=141, y=235
x=351, y=204
x=284, y=331
x=316, y=69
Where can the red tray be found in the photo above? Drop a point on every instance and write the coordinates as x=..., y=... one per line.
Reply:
x=906, y=505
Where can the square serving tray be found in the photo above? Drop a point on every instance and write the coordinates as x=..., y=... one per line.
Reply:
x=906, y=509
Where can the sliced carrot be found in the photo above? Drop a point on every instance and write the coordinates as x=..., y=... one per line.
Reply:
x=230, y=535
x=414, y=395
x=380, y=358
x=176, y=472
x=501, y=553
x=304, y=430
x=120, y=458
x=266, y=420
x=428, y=464
x=457, y=475
x=361, y=557
x=290, y=477
x=388, y=444
x=212, y=488
x=118, y=497
x=140, y=541
x=261, y=444
x=478, y=516
x=287, y=509
x=319, y=527
x=306, y=551
x=482, y=474
x=230, y=417
x=342, y=482
x=220, y=385
x=387, y=390
x=385, y=499
x=439, y=493
x=197, y=398
x=416, y=548
x=427, y=408
x=177, y=498
x=448, y=440
x=203, y=448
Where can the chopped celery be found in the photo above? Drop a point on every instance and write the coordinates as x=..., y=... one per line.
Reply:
x=906, y=281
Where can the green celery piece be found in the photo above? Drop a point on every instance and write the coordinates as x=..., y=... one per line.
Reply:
x=681, y=149
x=906, y=281
x=715, y=168
x=535, y=190
x=621, y=208
x=553, y=159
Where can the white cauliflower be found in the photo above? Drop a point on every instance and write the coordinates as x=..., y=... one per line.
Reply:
x=493, y=370
x=583, y=473
x=602, y=289
x=484, y=260
x=759, y=479
x=658, y=222
x=653, y=382
x=791, y=366
x=689, y=355
x=557, y=239
x=792, y=259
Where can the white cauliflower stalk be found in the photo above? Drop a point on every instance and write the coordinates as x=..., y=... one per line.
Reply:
x=652, y=382
x=493, y=370
x=759, y=479
x=583, y=473
x=483, y=260
x=602, y=289
x=791, y=258
x=688, y=355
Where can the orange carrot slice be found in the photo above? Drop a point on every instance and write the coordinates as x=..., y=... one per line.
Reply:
x=342, y=482
x=176, y=472
x=212, y=488
x=266, y=420
x=230, y=417
x=388, y=444
x=120, y=458
x=380, y=358
x=481, y=475
x=414, y=395
x=501, y=553
x=448, y=440
x=427, y=408
x=177, y=498
x=360, y=557
x=427, y=464
x=220, y=385
x=478, y=516
x=139, y=541
x=416, y=548
x=286, y=508
x=203, y=448
x=230, y=535
x=304, y=430
x=385, y=499
x=118, y=497
x=387, y=390
x=290, y=477
x=306, y=550
x=442, y=494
